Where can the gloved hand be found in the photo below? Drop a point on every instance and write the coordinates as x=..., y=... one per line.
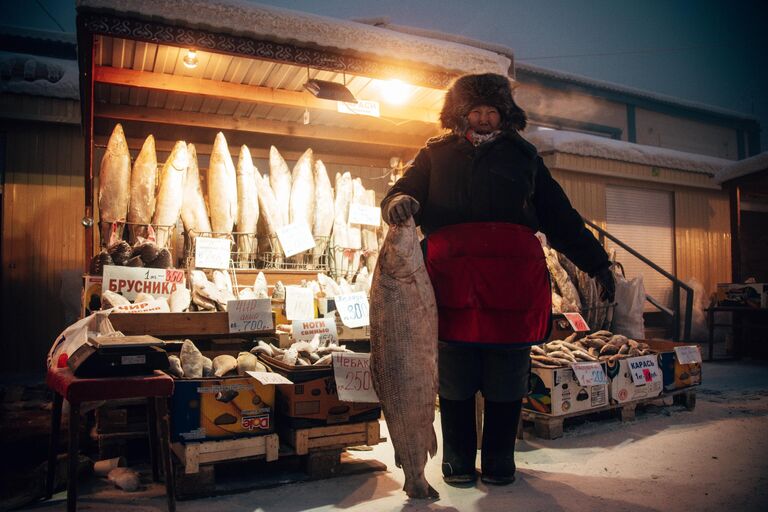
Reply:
x=606, y=284
x=401, y=208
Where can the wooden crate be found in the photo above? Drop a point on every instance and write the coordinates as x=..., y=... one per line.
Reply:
x=193, y=455
x=551, y=427
x=176, y=324
x=305, y=440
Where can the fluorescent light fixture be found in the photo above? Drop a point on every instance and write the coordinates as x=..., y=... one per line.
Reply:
x=190, y=59
x=395, y=92
x=326, y=90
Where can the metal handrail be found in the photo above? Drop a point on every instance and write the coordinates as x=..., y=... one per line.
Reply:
x=676, y=285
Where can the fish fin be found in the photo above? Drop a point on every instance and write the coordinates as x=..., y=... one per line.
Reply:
x=397, y=461
x=433, y=443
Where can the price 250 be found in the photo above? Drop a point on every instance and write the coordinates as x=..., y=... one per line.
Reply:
x=358, y=381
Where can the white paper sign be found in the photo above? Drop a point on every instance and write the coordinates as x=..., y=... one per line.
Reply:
x=268, y=378
x=295, y=238
x=644, y=369
x=150, y=306
x=212, y=252
x=325, y=328
x=131, y=281
x=589, y=373
x=577, y=322
x=362, y=107
x=366, y=215
x=299, y=303
x=352, y=372
x=353, y=309
x=250, y=315
x=688, y=355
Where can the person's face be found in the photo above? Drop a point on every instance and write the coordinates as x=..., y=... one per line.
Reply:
x=484, y=119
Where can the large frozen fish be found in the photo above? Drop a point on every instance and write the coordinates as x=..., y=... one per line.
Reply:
x=323, y=217
x=170, y=194
x=302, y=208
x=114, y=182
x=280, y=181
x=222, y=187
x=355, y=231
x=247, y=206
x=269, y=216
x=340, y=225
x=370, y=238
x=404, y=349
x=143, y=188
x=194, y=213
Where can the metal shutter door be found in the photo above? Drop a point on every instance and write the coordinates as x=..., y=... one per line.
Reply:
x=643, y=219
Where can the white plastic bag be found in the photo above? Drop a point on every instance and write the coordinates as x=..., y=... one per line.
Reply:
x=628, y=313
x=77, y=334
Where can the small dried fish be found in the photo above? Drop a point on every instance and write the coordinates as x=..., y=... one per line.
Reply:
x=224, y=364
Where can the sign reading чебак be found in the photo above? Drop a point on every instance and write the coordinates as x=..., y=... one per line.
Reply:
x=131, y=281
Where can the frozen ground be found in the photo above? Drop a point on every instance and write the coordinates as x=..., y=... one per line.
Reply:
x=710, y=459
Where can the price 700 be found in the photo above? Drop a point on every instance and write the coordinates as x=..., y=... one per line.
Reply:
x=248, y=325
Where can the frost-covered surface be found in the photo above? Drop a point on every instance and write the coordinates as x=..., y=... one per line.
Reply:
x=592, y=145
x=743, y=168
x=282, y=25
x=610, y=86
x=38, y=76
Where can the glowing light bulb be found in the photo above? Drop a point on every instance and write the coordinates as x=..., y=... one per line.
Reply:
x=395, y=91
x=190, y=59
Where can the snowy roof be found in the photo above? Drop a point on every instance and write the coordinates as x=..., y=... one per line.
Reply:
x=610, y=86
x=743, y=168
x=41, y=35
x=592, y=145
x=283, y=25
x=39, y=76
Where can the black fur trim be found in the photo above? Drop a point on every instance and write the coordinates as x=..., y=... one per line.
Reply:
x=486, y=89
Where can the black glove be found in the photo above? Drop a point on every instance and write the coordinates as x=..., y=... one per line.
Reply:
x=606, y=284
x=401, y=208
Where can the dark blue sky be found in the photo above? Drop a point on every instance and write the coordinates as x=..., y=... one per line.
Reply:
x=708, y=51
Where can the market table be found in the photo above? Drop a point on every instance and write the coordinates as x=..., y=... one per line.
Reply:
x=155, y=387
x=741, y=317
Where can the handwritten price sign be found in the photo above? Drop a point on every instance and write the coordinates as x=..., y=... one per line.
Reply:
x=250, y=315
x=589, y=374
x=688, y=355
x=352, y=373
x=644, y=369
x=212, y=252
x=577, y=322
x=353, y=309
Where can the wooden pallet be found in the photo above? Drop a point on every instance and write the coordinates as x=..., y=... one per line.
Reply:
x=551, y=427
x=306, y=440
x=193, y=455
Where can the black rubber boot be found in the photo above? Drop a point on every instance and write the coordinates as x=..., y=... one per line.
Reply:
x=499, y=433
x=457, y=419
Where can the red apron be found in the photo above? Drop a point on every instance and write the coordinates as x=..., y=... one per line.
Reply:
x=491, y=283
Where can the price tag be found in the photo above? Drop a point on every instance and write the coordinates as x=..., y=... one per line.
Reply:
x=644, y=369
x=305, y=330
x=130, y=281
x=268, y=378
x=589, y=374
x=353, y=309
x=212, y=252
x=299, y=303
x=688, y=355
x=250, y=315
x=295, y=238
x=352, y=372
x=366, y=215
x=577, y=322
x=150, y=306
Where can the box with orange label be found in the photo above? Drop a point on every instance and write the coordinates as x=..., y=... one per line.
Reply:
x=216, y=408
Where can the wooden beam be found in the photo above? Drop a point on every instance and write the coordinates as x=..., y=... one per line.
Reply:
x=219, y=122
x=242, y=92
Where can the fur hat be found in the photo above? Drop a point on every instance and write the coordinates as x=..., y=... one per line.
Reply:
x=469, y=91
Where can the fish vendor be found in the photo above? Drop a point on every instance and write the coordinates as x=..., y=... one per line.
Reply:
x=479, y=194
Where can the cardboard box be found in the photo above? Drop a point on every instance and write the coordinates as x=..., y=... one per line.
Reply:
x=312, y=399
x=219, y=408
x=91, y=298
x=623, y=388
x=676, y=375
x=754, y=295
x=557, y=392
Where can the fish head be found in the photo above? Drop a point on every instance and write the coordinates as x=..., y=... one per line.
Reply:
x=400, y=255
x=179, y=158
x=117, y=145
x=244, y=162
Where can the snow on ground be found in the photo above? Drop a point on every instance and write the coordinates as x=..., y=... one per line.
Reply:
x=710, y=459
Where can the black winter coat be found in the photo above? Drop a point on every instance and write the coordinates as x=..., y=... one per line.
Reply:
x=504, y=180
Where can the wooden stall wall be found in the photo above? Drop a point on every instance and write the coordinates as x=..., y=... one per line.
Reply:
x=42, y=246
